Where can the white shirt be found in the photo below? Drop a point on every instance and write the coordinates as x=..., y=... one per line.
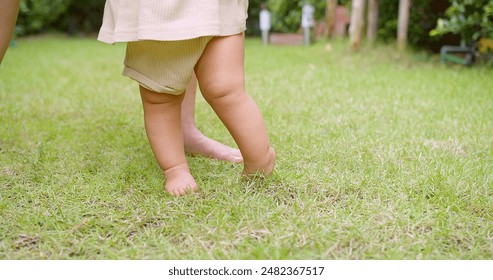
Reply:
x=170, y=20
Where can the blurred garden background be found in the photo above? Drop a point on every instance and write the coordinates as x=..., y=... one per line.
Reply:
x=429, y=24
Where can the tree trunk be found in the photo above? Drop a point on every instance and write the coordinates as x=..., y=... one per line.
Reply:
x=330, y=16
x=371, y=32
x=404, y=6
x=357, y=22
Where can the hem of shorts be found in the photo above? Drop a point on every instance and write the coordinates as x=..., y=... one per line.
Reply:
x=121, y=36
x=149, y=83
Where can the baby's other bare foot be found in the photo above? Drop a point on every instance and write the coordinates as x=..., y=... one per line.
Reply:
x=179, y=181
x=201, y=145
x=263, y=168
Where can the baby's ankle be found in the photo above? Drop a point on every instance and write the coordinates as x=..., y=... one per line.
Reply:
x=179, y=180
x=263, y=168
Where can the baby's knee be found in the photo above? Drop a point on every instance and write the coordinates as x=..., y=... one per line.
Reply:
x=226, y=91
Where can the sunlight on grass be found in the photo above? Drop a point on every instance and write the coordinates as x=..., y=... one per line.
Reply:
x=379, y=157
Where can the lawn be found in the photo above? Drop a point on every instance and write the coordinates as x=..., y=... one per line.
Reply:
x=380, y=156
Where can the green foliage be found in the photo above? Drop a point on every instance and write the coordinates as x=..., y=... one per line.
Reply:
x=62, y=15
x=287, y=14
x=253, y=17
x=83, y=16
x=35, y=15
x=471, y=19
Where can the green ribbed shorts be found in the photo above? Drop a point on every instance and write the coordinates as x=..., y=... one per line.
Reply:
x=163, y=66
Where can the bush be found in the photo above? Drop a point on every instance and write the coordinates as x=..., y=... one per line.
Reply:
x=471, y=19
x=36, y=15
x=69, y=16
x=82, y=16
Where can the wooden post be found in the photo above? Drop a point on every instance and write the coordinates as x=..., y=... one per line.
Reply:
x=403, y=23
x=371, y=32
x=330, y=16
x=357, y=22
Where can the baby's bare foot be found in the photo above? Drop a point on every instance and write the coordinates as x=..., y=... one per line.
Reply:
x=179, y=181
x=263, y=168
x=201, y=145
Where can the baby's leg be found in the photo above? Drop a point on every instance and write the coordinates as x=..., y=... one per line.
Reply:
x=221, y=78
x=197, y=143
x=162, y=122
x=8, y=16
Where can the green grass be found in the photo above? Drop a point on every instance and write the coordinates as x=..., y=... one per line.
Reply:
x=379, y=157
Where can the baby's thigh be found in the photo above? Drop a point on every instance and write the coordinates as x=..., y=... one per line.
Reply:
x=220, y=69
